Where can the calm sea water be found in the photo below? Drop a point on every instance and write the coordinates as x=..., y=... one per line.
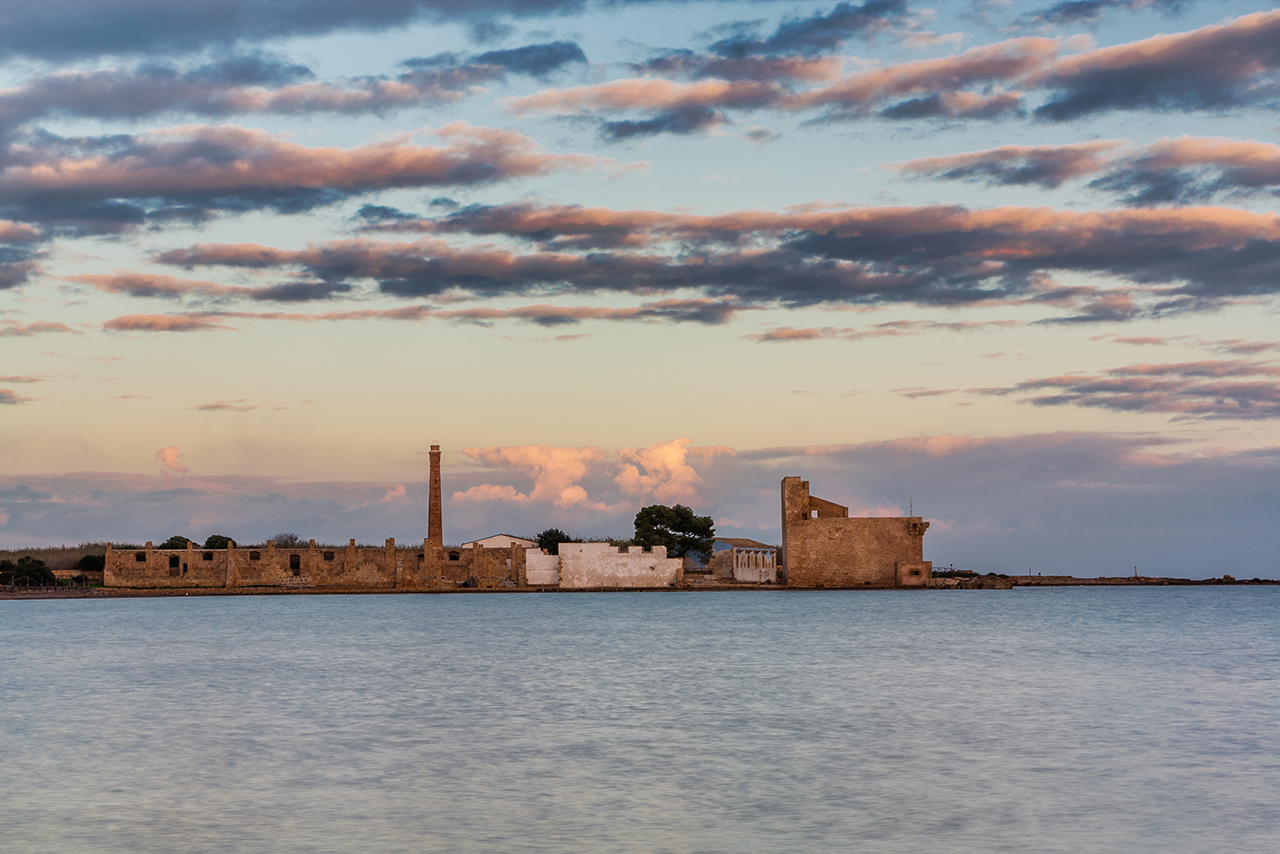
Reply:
x=1051, y=720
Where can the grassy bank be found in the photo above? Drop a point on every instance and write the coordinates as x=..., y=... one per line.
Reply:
x=56, y=557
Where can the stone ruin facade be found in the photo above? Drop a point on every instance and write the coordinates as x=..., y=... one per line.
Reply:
x=823, y=547
x=392, y=567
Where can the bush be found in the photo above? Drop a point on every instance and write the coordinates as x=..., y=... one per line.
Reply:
x=27, y=571
x=549, y=540
x=91, y=563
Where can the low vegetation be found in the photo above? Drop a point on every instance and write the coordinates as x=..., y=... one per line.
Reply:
x=56, y=557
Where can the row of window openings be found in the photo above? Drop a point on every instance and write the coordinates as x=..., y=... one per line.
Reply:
x=141, y=557
x=295, y=561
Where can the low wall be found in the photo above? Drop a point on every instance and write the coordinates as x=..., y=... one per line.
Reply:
x=389, y=567
x=603, y=565
x=541, y=570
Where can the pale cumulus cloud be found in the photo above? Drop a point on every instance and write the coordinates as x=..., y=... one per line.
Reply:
x=659, y=471
x=168, y=458
x=555, y=472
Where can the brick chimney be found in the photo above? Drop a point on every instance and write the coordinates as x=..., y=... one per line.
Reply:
x=435, y=529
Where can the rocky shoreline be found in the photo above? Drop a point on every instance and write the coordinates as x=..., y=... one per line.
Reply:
x=944, y=582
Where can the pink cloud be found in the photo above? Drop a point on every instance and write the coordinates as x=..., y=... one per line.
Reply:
x=490, y=492
x=151, y=285
x=205, y=162
x=18, y=232
x=14, y=329
x=555, y=471
x=647, y=93
x=168, y=458
x=666, y=476
x=162, y=323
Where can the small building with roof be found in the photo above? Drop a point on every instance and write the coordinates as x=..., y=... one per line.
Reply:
x=501, y=541
x=744, y=560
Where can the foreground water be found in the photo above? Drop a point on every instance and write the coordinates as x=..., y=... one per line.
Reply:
x=1031, y=720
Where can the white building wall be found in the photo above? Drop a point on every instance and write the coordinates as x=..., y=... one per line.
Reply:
x=541, y=570
x=499, y=541
x=603, y=565
x=754, y=566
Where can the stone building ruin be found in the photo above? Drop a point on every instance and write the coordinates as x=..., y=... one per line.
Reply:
x=823, y=546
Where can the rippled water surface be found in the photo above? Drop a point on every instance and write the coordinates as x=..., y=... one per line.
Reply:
x=1051, y=720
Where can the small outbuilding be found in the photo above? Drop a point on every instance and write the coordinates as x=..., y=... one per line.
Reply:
x=743, y=560
x=501, y=541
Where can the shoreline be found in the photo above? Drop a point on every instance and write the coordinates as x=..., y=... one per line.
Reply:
x=981, y=582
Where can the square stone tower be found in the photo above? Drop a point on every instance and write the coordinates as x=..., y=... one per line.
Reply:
x=823, y=547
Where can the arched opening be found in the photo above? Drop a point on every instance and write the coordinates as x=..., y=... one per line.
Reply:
x=295, y=564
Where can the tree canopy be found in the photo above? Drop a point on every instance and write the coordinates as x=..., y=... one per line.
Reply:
x=216, y=541
x=549, y=540
x=27, y=571
x=175, y=542
x=678, y=528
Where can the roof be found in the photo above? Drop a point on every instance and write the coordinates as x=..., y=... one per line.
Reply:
x=744, y=543
x=492, y=536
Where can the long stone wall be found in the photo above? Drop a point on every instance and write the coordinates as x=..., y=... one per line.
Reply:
x=823, y=547
x=388, y=568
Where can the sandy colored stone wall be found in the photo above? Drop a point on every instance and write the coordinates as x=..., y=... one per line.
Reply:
x=389, y=567
x=823, y=547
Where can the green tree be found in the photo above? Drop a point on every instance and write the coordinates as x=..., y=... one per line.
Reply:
x=91, y=563
x=549, y=540
x=678, y=528
x=175, y=543
x=27, y=571
x=216, y=541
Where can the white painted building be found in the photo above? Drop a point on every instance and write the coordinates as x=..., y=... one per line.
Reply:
x=541, y=570
x=747, y=562
x=500, y=541
x=603, y=565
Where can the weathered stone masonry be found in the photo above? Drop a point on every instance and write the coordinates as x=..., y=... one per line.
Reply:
x=352, y=567
x=823, y=547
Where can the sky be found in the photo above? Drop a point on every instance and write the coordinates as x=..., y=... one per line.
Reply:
x=1011, y=266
